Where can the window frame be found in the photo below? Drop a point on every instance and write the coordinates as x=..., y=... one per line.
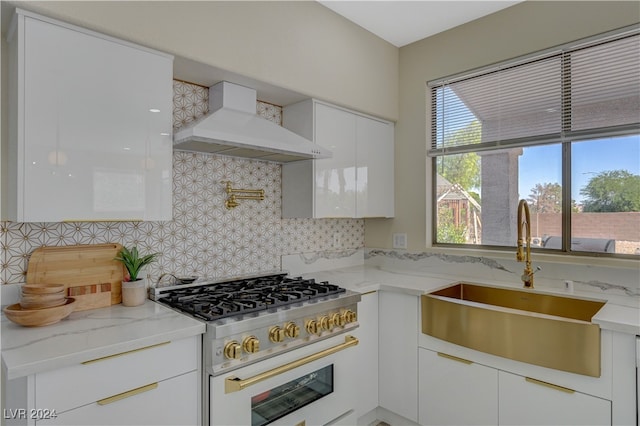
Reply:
x=566, y=138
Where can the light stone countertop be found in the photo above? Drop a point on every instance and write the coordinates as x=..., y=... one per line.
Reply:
x=612, y=316
x=101, y=332
x=90, y=334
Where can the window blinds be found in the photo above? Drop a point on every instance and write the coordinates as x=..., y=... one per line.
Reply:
x=586, y=90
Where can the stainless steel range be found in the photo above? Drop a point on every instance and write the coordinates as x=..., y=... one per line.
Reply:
x=265, y=328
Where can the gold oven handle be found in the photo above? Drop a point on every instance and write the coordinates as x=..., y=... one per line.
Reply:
x=234, y=384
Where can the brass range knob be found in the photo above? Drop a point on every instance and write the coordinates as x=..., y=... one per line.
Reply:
x=232, y=350
x=338, y=320
x=312, y=327
x=326, y=323
x=251, y=344
x=276, y=334
x=349, y=316
x=291, y=330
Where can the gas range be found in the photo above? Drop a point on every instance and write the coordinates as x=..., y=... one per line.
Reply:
x=256, y=317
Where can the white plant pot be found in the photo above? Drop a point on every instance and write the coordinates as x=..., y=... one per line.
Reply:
x=134, y=293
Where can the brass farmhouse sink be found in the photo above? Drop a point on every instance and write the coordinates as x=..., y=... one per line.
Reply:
x=542, y=329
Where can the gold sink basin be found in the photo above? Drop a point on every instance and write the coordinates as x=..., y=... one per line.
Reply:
x=548, y=330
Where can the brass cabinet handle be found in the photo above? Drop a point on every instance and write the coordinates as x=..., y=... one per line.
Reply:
x=234, y=384
x=455, y=358
x=104, y=358
x=549, y=385
x=127, y=394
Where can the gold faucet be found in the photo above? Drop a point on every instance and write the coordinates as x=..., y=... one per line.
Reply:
x=527, y=275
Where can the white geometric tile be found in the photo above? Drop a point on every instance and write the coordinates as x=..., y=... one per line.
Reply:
x=204, y=238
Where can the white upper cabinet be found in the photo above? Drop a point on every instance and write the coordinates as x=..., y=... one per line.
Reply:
x=356, y=182
x=374, y=148
x=90, y=126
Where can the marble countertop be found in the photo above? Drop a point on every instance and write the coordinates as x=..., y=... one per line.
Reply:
x=101, y=332
x=612, y=316
x=90, y=334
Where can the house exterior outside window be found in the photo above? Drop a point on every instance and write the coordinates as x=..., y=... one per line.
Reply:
x=560, y=129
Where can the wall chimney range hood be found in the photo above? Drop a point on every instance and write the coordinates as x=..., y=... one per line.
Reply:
x=233, y=128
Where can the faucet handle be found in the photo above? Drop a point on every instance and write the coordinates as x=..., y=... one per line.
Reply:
x=527, y=277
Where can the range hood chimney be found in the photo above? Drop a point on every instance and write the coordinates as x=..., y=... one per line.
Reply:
x=233, y=128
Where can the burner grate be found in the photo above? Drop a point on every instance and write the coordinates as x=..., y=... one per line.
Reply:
x=227, y=299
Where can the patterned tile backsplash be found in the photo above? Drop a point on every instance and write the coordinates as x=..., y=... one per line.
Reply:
x=204, y=238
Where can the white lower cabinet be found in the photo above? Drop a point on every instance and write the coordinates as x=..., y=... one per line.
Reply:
x=348, y=419
x=454, y=391
x=157, y=384
x=398, y=354
x=525, y=401
x=367, y=395
x=168, y=402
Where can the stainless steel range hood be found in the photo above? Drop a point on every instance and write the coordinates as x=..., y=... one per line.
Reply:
x=233, y=128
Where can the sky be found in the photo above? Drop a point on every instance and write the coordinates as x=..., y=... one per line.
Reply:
x=588, y=159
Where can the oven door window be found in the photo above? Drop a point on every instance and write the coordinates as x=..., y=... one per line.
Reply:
x=285, y=399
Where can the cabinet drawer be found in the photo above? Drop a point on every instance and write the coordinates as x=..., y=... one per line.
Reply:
x=172, y=402
x=71, y=387
x=447, y=383
x=521, y=400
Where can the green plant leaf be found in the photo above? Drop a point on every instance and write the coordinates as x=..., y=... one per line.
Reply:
x=133, y=261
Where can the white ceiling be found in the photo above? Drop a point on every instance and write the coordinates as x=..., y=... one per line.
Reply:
x=402, y=22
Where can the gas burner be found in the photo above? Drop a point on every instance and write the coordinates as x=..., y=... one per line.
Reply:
x=215, y=301
x=250, y=319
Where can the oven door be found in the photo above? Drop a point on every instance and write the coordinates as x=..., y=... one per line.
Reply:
x=313, y=385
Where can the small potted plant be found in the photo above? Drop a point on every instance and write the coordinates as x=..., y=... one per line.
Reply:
x=134, y=289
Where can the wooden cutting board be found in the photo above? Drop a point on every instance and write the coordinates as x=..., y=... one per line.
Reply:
x=90, y=266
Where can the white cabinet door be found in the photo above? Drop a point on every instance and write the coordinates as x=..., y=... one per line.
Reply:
x=335, y=178
x=375, y=168
x=169, y=402
x=526, y=402
x=356, y=182
x=367, y=395
x=77, y=385
x=398, y=353
x=141, y=386
x=94, y=135
x=455, y=392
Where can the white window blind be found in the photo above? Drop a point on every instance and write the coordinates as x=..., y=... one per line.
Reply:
x=584, y=90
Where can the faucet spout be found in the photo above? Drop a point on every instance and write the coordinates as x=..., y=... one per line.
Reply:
x=524, y=221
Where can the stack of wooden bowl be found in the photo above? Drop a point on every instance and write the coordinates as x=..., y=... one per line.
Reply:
x=40, y=296
x=40, y=304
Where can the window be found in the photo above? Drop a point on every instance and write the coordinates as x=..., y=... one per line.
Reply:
x=560, y=129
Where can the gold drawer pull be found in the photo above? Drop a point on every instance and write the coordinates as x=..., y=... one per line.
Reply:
x=127, y=394
x=549, y=385
x=455, y=358
x=234, y=384
x=104, y=358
